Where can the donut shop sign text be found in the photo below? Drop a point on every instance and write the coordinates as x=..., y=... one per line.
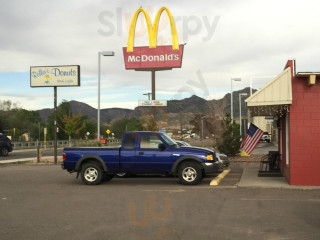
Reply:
x=55, y=76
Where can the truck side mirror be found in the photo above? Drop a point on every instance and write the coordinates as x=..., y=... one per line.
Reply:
x=161, y=146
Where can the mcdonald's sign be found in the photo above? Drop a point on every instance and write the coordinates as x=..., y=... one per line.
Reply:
x=153, y=57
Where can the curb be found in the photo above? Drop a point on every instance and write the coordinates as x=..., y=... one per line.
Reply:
x=18, y=160
x=218, y=179
x=44, y=160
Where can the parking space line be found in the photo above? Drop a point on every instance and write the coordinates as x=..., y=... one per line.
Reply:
x=218, y=179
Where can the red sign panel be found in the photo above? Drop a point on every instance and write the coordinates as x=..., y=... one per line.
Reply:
x=153, y=58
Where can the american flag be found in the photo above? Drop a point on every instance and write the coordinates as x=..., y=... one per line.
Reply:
x=254, y=134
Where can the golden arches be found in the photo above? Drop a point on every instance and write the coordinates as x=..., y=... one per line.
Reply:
x=152, y=30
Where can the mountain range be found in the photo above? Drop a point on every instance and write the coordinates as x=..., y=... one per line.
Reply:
x=187, y=106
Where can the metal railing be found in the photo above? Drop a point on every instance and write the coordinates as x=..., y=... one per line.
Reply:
x=60, y=143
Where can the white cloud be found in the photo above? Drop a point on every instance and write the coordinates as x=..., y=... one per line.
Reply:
x=251, y=38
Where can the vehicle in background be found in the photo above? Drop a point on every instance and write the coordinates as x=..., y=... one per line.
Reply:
x=223, y=158
x=182, y=143
x=5, y=145
x=265, y=137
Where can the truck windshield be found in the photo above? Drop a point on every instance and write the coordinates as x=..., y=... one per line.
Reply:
x=168, y=140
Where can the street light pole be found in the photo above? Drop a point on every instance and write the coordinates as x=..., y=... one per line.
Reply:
x=241, y=94
x=103, y=53
x=202, y=128
x=233, y=79
x=148, y=94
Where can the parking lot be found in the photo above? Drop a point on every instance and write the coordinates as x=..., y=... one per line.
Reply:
x=44, y=202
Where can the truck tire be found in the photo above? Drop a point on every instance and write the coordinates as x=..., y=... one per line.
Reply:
x=91, y=174
x=4, y=151
x=190, y=173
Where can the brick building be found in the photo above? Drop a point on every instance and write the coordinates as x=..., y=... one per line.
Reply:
x=293, y=99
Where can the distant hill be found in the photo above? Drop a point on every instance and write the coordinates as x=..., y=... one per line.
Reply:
x=188, y=106
x=107, y=114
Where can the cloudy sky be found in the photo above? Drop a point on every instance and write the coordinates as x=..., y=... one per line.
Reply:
x=247, y=39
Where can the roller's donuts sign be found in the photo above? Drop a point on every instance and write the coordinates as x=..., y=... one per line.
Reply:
x=153, y=57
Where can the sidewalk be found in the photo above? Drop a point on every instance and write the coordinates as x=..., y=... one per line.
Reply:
x=46, y=159
x=250, y=178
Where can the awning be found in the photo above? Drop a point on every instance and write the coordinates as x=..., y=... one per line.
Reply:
x=274, y=98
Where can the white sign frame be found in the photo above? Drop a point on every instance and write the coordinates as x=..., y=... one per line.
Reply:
x=55, y=76
x=153, y=103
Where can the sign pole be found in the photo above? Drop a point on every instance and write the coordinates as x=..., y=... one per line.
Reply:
x=153, y=79
x=54, y=76
x=98, y=117
x=45, y=138
x=55, y=125
x=153, y=86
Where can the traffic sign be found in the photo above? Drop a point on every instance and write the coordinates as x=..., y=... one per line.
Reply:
x=108, y=131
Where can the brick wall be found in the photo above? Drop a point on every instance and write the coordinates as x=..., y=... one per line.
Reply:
x=305, y=133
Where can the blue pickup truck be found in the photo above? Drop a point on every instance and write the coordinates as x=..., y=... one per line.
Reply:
x=141, y=152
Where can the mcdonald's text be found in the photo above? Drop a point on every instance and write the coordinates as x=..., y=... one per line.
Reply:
x=151, y=58
x=159, y=57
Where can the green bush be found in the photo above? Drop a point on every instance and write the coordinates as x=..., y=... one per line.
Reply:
x=231, y=139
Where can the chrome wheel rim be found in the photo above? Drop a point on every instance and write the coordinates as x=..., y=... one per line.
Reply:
x=91, y=174
x=189, y=174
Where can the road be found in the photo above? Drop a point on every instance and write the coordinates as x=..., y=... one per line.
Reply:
x=45, y=202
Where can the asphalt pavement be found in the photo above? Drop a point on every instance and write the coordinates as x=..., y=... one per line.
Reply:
x=45, y=202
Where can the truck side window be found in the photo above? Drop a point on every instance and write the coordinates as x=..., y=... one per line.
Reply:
x=129, y=140
x=149, y=141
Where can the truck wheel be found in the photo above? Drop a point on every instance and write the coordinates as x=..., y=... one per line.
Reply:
x=190, y=173
x=4, y=151
x=91, y=174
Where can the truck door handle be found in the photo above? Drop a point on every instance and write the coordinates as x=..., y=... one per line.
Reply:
x=140, y=153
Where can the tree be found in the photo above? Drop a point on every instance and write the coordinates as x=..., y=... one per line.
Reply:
x=134, y=124
x=5, y=111
x=211, y=125
x=15, y=121
x=73, y=124
x=7, y=105
x=66, y=121
x=230, y=142
x=120, y=126
x=91, y=128
x=64, y=108
x=150, y=123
